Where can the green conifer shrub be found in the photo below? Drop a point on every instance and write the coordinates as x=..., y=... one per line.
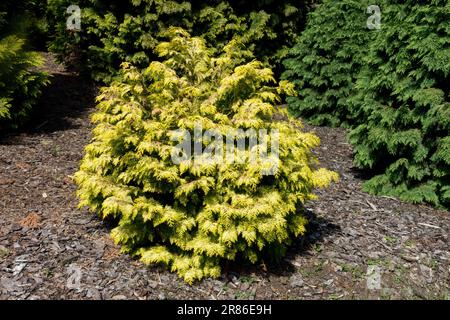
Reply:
x=116, y=31
x=113, y=32
x=326, y=61
x=267, y=27
x=390, y=86
x=404, y=100
x=20, y=83
x=26, y=19
x=194, y=214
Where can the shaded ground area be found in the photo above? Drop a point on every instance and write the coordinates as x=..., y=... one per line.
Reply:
x=49, y=249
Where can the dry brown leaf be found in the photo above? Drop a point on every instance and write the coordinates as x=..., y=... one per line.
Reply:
x=32, y=221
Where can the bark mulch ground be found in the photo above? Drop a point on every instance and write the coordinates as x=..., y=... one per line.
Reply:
x=358, y=246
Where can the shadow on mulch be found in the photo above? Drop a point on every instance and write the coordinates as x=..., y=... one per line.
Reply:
x=63, y=101
x=361, y=174
x=318, y=228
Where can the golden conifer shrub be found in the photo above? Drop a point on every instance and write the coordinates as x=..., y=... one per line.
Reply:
x=191, y=213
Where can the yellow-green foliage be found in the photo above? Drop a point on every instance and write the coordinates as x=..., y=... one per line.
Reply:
x=193, y=215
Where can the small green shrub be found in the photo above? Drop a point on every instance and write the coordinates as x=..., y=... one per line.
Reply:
x=25, y=19
x=403, y=97
x=20, y=82
x=326, y=61
x=193, y=214
x=20, y=85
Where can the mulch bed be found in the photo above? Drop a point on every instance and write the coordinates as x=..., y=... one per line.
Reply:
x=50, y=249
